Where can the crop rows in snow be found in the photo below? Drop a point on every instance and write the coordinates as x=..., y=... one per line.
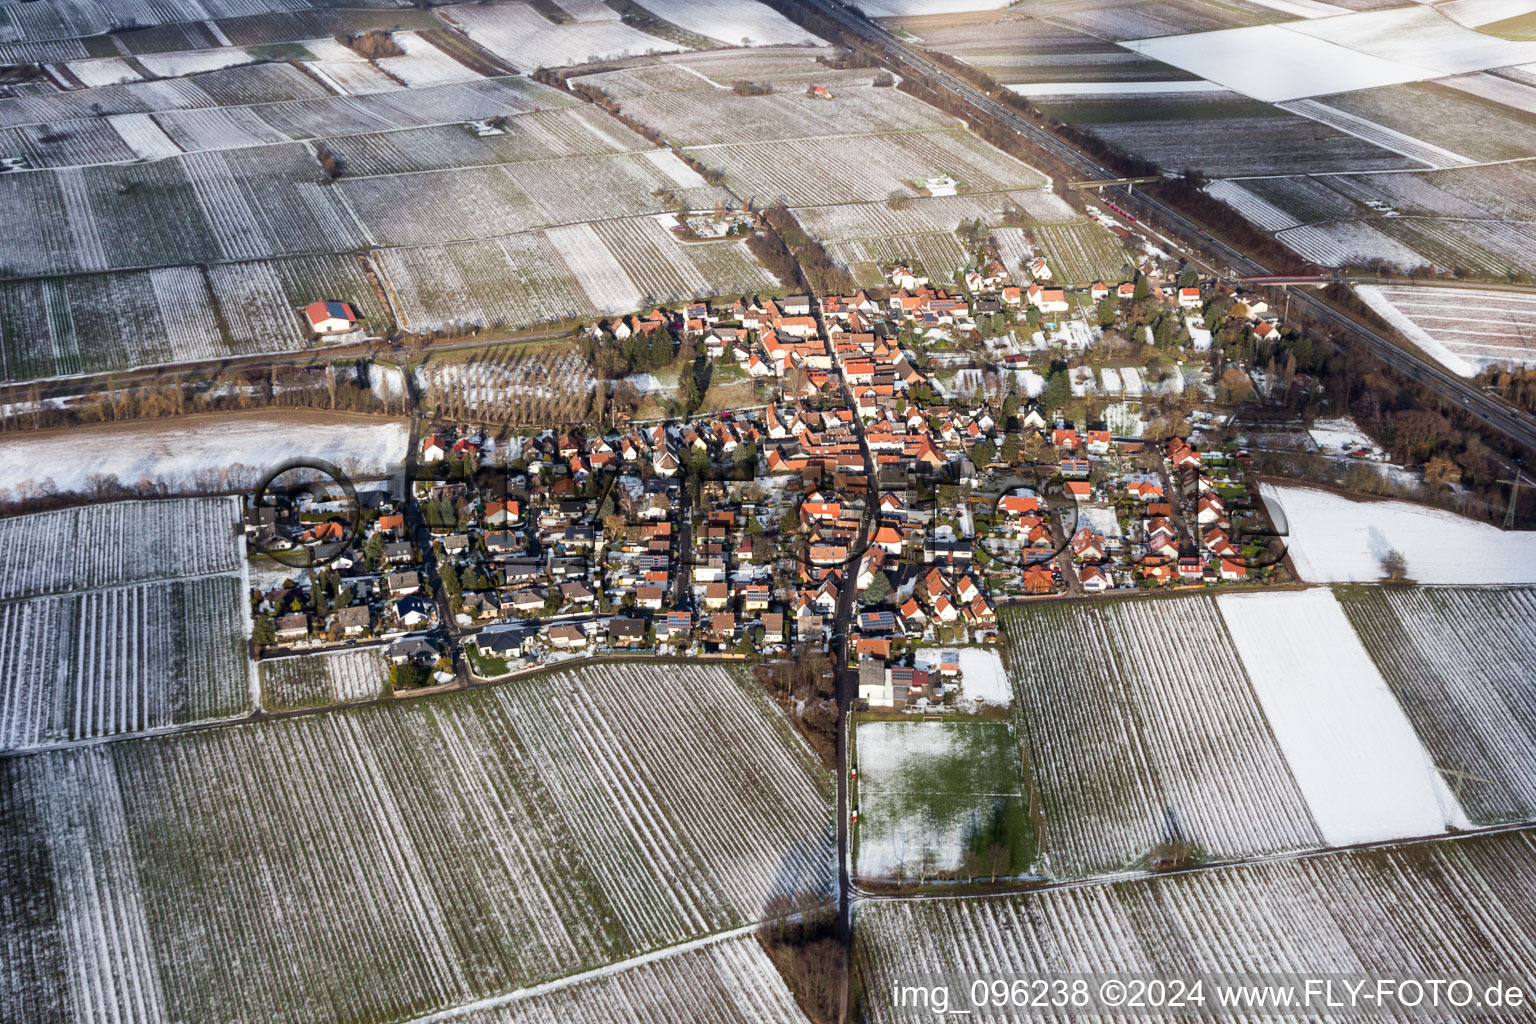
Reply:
x=1342, y=243
x=91, y=323
x=937, y=254
x=119, y=542
x=726, y=982
x=665, y=270
x=1082, y=253
x=383, y=862
x=508, y=282
x=925, y=214
x=1462, y=906
x=812, y=172
x=519, y=34
x=509, y=384
x=1460, y=662
x=315, y=680
x=121, y=660
x=1141, y=727
x=1486, y=248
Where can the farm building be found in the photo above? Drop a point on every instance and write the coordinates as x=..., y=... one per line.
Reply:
x=330, y=317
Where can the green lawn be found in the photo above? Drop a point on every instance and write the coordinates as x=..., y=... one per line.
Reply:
x=949, y=794
x=484, y=667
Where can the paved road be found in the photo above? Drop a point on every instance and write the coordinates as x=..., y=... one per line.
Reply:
x=1518, y=426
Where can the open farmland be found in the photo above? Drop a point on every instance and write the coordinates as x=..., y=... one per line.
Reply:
x=545, y=832
x=223, y=452
x=1336, y=540
x=1474, y=128
x=733, y=22
x=940, y=797
x=539, y=385
x=1293, y=145
x=1141, y=729
x=517, y=33
x=103, y=545
x=730, y=981
x=1466, y=331
x=316, y=680
x=122, y=660
x=1460, y=662
x=1363, y=771
x=1462, y=906
x=1083, y=252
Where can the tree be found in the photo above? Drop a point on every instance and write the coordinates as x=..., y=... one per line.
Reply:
x=1057, y=390
x=1143, y=287
x=790, y=522
x=263, y=632
x=1394, y=566
x=409, y=676
x=1236, y=384
x=983, y=452
x=878, y=590
x=373, y=550
x=1010, y=452
x=1108, y=310
x=450, y=577
x=1189, y=276
x=1442, y=470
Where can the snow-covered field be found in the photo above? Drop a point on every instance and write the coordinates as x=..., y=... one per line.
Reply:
x=1462, y=906
x=1364, y=773
x=1343, y=436
x=1465, y=331
x=205, y=453
x=1460, y=661
x=336, y=677
x=926, y=790
x=733, y=22
x=1114, y=88
x=982, y=676
x=907, y=8
x=423, y=63
x=528, y=40
x=1336, y=540
x=1141, y=728
x=546, y=829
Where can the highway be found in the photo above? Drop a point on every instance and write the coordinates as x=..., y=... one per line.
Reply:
x=1517, y=426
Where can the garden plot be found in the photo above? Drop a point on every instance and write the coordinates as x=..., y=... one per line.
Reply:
x=397, y=859
x=117, y=543
x=943, y=796
x=317, y=680
x=1343, y=437
x=1459, y=662
x=744, y=22
x=1141, y=729
x=729, y=981
x=1463, y=906
x=200, y=453
x=1465, y=331
x=504, y=282
x=122, y=660
x=1364, y=773
x=983, y=678
x=517, y=33
x=1336, y=540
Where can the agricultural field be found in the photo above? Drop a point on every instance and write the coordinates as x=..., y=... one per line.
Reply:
x=442, y=851
x=1363, y=771
x=317, y=680
x=1083, y=253
x=1459, y=661
x=733, y=22
x=1334, y=539
x=730, y=981
x=537, y=385
x=122, y=660
x=118, y=543
x=1473, y=128
x=207, y=454
x=517, y=33
x=940, y=797
x=1461, y=905
x=1465, y=331
x=1141, y=729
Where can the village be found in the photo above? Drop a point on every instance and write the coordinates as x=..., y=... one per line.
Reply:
x=872, y=506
